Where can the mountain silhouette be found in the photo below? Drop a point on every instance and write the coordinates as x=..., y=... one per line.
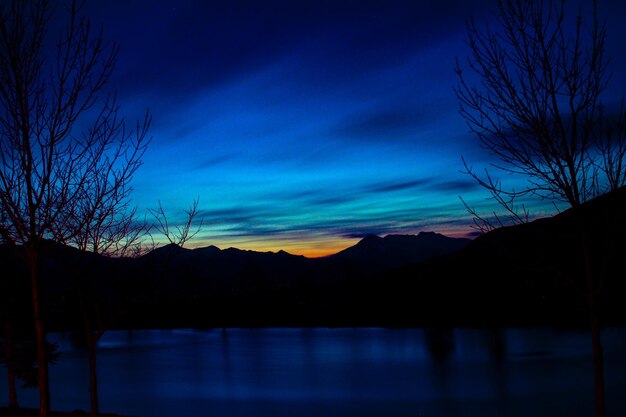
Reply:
x=529, y=274
x=398, y=250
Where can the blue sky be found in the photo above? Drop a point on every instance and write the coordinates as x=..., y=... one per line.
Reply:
x=305, y=125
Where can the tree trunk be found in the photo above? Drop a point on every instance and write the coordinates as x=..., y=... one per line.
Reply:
x=11, y=380
x=92, y=340
x=40, y=334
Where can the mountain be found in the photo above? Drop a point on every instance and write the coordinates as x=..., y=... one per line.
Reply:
x=531, y=274
x=211, y=269
x=398, y=250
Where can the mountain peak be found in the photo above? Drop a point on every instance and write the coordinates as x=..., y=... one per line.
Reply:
x=370, y=238
x=430, y=234
x=395, y=250
x=167, y=249
x=208, y=249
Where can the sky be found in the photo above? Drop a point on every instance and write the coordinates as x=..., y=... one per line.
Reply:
x=305, y=125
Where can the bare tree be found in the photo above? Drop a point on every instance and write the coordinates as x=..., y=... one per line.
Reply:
x=513, y=213
x=536, y=108
x=612, y=146
x=118, y=235
x=179, y=234
x=105, y=224
x=49, y=165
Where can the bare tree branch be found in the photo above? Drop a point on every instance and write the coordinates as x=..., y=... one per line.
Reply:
x=56, y=182
x=537, y=110
x=181, y=233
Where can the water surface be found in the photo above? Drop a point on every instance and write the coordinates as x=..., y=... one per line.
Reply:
x=340, y=372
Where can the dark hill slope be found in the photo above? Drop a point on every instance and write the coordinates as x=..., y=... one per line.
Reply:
x=526, y=274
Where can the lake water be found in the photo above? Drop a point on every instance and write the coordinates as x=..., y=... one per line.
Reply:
x=340, y=372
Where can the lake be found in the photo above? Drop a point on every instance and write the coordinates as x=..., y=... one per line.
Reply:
x=340, y=372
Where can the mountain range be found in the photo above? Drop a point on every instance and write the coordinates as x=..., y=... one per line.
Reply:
x=530, y=274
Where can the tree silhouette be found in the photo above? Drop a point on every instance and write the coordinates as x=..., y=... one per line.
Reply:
x=105, y=224
x=177, y=235
x=18, y=351
x=59, y=134
x=537, y=108
x=181, y=233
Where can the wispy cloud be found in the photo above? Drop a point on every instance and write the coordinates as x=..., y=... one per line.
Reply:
x=392, y=186
x=214, y=161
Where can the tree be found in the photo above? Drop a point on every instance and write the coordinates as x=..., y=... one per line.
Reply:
x=58, y=134
x=537, y=109
x=177, y=236
x=19, y=356
x=18, y=351
x=104, y=224
x=181, y=233
x=118, y=238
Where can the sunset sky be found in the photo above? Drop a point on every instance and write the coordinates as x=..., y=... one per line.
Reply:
x=303, y=125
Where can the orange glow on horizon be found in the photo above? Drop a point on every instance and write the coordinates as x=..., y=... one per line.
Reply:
x=314, y=247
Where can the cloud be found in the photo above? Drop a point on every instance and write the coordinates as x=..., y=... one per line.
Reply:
x=214, y=161
x=453, y=186
x=430, y=184
x=392, y=186
x=229, y=216
x=385, y=123
x=360, y=234
x=333, y=200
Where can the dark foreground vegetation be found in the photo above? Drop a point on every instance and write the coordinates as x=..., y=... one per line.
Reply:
x=525, y=275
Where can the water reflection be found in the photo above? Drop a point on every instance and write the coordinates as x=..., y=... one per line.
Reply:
x=440, y=344
x=340, y=372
